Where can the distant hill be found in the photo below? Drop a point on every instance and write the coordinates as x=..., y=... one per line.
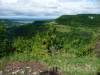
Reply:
x=18, y=22
x=80, y=19
x=9, y=22
x=42, y=22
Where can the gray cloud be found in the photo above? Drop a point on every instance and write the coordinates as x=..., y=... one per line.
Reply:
x=70, y=0
x=47, y=7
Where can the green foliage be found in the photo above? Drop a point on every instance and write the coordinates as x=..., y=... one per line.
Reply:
x=78, y=42
x=27, y=30
x=56, y=44
x=23, y=45
x=40, y=22
x=90, y=20
x=3, y=40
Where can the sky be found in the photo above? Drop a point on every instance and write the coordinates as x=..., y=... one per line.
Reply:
x=47, y=8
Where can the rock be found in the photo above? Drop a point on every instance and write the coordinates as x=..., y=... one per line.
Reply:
x=24, y=68
x=1, y=72
x=29, y=68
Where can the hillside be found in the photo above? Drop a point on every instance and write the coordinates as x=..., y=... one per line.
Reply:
x=80, y=19
x=69, y=43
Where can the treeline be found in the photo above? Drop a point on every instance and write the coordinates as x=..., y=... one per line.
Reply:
x=4, y=41
x=80, y=20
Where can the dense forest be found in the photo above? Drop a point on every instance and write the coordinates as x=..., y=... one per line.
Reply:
x=69, y=40
x=80, y=19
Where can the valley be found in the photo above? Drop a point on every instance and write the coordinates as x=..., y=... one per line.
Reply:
x=70, y=43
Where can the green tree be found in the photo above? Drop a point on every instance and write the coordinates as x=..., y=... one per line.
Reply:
x=54, y=42
x=3, y=40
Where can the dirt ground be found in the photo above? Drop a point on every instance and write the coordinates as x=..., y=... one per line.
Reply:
x=28, y=68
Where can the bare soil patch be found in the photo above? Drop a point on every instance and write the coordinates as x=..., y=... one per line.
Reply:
x=28, y=68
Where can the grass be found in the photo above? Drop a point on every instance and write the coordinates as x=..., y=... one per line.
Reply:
x=77, y=56
x=68, y=63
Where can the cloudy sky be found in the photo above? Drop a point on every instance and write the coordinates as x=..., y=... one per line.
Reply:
x=47, y=8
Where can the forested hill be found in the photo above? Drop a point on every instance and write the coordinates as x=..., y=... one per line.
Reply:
x=80, y=19
x=9, y=23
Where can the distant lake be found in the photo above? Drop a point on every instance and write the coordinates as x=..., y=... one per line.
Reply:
x=28, y=20
x=23, y=20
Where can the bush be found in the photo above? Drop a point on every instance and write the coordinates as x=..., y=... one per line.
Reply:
x=79, y=42
x=54, y=42
x=3, y=41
